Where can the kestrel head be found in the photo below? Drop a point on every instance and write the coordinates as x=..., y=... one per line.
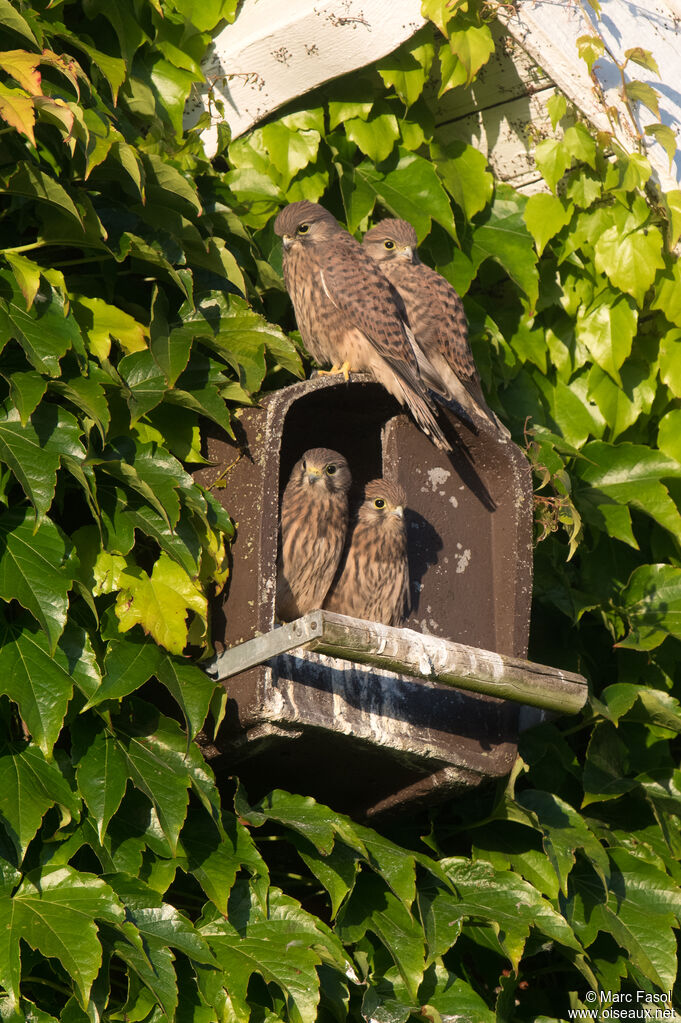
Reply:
x=322, y=470
x=383, y=505
x=305, y=223
x=392, y=240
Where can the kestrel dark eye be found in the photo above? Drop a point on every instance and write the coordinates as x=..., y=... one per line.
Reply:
x=303, y=229
x=331, y=470
x=389, y=244
x=379, y=503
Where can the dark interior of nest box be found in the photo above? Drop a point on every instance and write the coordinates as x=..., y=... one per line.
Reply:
x=468, y=536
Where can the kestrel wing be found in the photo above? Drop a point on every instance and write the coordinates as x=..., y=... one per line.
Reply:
x=368, y=300
x=445, y=324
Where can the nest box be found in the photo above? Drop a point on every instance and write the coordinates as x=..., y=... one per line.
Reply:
x=367, y=738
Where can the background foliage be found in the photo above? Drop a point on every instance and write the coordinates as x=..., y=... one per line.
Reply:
x=139, y=289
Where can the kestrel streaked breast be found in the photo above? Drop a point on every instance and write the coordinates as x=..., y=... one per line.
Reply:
x=347, y=311
x=373, y=579
x=314, y=520
x=436, y=316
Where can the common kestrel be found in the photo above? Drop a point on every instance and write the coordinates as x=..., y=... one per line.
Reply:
x=373, y=579
x=436, y=316
x=314, y=520
x=348, y=313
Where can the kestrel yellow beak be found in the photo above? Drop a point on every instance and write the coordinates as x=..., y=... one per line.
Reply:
x=287, y=241
x=399, y=511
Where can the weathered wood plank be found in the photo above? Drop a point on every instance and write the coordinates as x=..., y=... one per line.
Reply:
x=549, y=32
x=414, y=654
x=276, y=51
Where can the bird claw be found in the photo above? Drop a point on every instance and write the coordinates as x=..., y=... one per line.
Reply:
x=345, y=369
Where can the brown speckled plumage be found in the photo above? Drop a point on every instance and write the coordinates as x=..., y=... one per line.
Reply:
x=373, y=579
x=314, y=520
x=347, y=311
x=436, y=316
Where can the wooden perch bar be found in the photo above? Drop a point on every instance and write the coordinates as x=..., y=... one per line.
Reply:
x=411, y=653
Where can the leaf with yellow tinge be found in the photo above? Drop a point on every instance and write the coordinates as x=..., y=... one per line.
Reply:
x=473, y=46
x=17, y=109
x=545, y=215
x=22, y=66
x=101, y=322
x=629, y=257
x=160, y=602
x=645, y=94
x=27, y=275
x=590, y=48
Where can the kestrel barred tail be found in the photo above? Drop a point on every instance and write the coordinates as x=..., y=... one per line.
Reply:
x=347, y=311
x=436, y=316
x=373, y=579
x=314, y=520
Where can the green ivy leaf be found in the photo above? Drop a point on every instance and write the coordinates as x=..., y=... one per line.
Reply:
x=35, y=570
x=102, y=321
x=146, y=383
x=290, y=148
x=26, y=391
x=640, y=92
x=376, y=136
x=629, y=255
x=27, y=275
x=668, y=294
x=32, y=183
x=34, y=451
x=502, y=235
x=464, y=172
x=102, y=775
x=54, y=911
x=622, y=405
x=214, y=857
x=651, y=602
x=472, y=46
x=641, y=915
x=564, y=831
x=408, y=68
x=665, y=135
x=411, y=191
x=87, y=394
x=545, y=215
x=509, y=904
x=45, y=331
x=40, y=679
x=285, y=946
x=590, y=48
x=670, y=360
x=632, y=474
x=607, y=328
x=29, y=786
x=553, y=159
x=159, y=765
x=372, y=907
x=669, y=434
x=452, y=996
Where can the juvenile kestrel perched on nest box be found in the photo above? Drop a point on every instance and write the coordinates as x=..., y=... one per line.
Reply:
x=347, y=311
x=436, y=316
x=314, y=520
x=373, y=580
